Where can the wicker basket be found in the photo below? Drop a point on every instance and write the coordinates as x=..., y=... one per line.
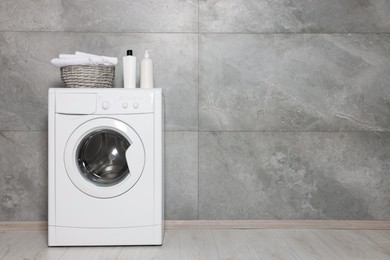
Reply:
x=88, y=76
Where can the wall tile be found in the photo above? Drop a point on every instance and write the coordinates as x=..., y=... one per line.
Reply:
x=249, y=175
x=99, y=15
x=27, y=74
x=287, y=82
x=181, y=175
x=332, y=16
x=278, y=84
x=23, y=176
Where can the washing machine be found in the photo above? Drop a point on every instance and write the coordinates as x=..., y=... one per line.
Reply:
x=105, y=167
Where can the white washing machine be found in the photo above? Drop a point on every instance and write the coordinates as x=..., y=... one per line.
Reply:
x=105, y=167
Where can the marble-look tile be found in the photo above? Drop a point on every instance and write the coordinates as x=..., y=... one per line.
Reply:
x=23, y=176
x=26, y=72
x=314, y=16
x=294, y=82
x=287, y=175
x=99, y=16
x=181, y=175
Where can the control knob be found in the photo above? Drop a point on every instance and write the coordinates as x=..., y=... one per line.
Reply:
x=105, y=105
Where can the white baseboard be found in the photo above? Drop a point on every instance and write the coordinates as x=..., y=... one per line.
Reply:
x=277, y=224
x=234, y=224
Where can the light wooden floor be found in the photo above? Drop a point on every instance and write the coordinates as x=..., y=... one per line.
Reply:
x=215, y=244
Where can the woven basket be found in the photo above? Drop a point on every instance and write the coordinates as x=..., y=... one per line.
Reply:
x=88, y=76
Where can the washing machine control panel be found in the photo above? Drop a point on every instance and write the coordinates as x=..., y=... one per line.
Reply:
x=125, y=103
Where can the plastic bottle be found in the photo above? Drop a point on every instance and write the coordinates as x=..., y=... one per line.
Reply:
x=129, y=70
x=147, y=71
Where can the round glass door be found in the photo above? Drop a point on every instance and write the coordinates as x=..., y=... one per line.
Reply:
x=101, y=157
x=104, y=157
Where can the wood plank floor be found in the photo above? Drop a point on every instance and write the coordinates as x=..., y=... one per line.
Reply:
x=215, y=244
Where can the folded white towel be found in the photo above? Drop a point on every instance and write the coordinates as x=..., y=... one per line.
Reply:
x=69, y=56
x=105, y=59
x=82, y=58
x=73, y=61
x=79, y=53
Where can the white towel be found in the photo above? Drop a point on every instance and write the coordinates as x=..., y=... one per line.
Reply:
x=69, y=56
x=71, y=61
x=105, y=59
x=82, y=58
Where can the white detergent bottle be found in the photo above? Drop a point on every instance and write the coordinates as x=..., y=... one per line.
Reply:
x=129, y=70
x=146, y=71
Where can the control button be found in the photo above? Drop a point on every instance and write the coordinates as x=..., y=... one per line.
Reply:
x=125, y=105
x=105, y=105
x=135, y=105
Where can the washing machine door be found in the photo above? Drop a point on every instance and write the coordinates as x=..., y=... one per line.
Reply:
x=104, y=157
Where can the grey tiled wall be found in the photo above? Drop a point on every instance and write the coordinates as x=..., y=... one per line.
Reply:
x=274, y=109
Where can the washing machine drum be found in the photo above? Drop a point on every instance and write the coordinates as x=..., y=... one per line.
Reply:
x=104, y=158
x=101, y=157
